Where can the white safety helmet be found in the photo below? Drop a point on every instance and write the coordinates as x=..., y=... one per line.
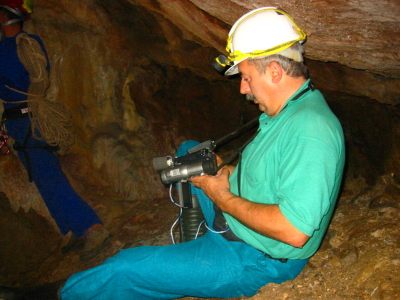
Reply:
x=262, y=32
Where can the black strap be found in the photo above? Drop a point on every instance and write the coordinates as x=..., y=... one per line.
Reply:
x=238, y=152
x=240, y=160
x=23, y=148
x=26, y=154
x=239, y=165
x=219, y=221
x=310, y=87
x=16, y=112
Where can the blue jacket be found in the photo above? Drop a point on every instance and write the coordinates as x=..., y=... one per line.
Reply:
x=13, y=72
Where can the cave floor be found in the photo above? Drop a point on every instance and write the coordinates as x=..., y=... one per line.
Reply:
x=359, y=258
x=131, y=224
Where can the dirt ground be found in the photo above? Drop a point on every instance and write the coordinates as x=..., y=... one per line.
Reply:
x=359, y=258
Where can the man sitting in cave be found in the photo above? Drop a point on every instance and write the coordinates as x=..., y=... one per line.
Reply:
x=275, y=205
x=24, y=74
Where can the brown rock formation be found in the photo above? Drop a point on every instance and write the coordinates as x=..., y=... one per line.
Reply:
x=136, y=76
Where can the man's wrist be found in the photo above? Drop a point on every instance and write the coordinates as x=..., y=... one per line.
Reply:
x=227, y=200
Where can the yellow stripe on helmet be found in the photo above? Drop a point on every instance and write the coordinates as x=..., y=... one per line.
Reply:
x=27, y=4
x=238, y=55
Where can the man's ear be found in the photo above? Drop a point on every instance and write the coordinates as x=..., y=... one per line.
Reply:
x=275, y=71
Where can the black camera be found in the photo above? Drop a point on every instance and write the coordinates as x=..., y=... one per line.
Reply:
x=200, y=160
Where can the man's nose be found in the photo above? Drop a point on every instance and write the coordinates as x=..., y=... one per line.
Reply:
x=244, y=87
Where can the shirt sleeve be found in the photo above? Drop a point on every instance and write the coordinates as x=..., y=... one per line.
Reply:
x=307, y=182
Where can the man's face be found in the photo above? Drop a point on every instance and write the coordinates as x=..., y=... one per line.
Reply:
x=254, y=85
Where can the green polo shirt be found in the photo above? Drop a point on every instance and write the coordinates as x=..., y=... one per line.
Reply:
x=296, y=161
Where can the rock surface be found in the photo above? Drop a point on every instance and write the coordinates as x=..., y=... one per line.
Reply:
x=358, y=34
x=136, y=77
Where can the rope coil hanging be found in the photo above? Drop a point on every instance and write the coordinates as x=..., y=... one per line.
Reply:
x=50, y=121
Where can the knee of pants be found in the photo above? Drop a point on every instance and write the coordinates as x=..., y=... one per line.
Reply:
x=185, y=146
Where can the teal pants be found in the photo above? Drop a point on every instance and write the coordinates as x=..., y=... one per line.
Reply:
x=208, y=267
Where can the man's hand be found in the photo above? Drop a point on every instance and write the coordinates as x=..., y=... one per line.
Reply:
x=263, y=218
x=217, y=187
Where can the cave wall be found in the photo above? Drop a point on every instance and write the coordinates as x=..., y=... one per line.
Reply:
x=136, y=76
x=124, y=80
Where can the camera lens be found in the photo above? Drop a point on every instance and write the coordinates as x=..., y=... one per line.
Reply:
x=162, y=162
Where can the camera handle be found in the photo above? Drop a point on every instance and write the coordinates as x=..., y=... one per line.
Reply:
x=192, y=216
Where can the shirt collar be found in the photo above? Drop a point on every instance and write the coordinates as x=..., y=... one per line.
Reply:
x=293, y=99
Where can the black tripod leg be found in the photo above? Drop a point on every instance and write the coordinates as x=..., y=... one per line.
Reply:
x=192, y=215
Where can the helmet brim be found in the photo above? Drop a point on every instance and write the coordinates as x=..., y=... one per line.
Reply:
x=235, y=68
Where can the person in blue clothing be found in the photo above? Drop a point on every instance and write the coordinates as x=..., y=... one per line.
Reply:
x=24, y=70
x=268, y=214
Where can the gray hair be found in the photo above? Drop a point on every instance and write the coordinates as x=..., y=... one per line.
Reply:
x=292, y=68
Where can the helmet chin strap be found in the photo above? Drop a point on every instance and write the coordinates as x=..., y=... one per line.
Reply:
x=9, y=22
x=6, y=24
x=16, y=12
x=12, y=22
